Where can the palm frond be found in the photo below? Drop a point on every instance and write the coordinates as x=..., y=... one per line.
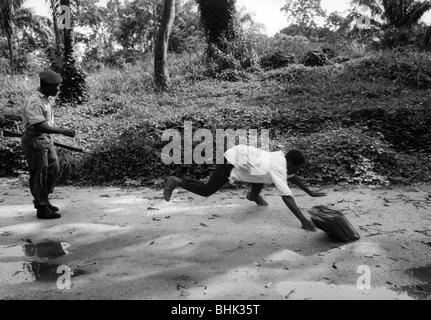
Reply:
x=33, y=24
x=401, y=13
x=7, y=8
x=417, y=11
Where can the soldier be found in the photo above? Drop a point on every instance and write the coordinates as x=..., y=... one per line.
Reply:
x=37, y=144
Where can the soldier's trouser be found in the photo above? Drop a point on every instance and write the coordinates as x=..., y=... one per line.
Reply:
x=43, y=165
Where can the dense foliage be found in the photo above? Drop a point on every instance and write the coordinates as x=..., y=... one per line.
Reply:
x=353, y=125
x=73, y=89
x=218, y=20
x=356, y=109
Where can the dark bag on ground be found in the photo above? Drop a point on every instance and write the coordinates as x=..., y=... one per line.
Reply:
x=334, y=223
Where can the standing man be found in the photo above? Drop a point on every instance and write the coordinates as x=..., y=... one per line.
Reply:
x=37, y=143
x=255, y=166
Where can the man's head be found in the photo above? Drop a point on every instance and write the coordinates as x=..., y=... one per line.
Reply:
x=49, y=82
x=295, y=160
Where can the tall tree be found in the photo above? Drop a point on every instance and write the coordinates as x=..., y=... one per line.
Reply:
x=54, y=7
x=404, y=13
x=73, y=89
x=219, y=20
x=401, y=14
x=7, y=11
x=303, y=13
x=396, y=18
x=67, y=30
x=31, y=29
x=138, y=24
x=161, y=74
x=186, y=33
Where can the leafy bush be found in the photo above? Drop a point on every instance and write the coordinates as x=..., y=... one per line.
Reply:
x=329, y=52
x=73, y=89
x=340, y=59
x=297, y=46
x=347, y=155
x=300, y=74
x=276, y=60
x=237, y=55
x=407, y=129
x=356, y=49
x=405, y=66
x=110, y=81
x=395, y=37
x=26, y=62
x=133, y=154
x=315, y=59
x=121, y=57
x=11, y=158
x=304, y=121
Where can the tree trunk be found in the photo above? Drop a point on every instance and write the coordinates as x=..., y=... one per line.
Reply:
x=11, y=58
x=161, y=74
x=10, y=40
x=218, y=20
x=56, y=34
x=67, y=43
x=428, y=38
x=67, y=35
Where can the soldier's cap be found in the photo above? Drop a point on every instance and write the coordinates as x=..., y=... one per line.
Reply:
x=50, y=77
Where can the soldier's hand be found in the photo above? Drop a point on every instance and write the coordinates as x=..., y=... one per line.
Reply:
x=69, y=133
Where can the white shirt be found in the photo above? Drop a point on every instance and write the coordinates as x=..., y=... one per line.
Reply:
x=254, y=165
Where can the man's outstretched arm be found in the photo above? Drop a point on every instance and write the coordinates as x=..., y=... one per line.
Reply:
x=300, y=184
x=291, y=204
x=43, y=127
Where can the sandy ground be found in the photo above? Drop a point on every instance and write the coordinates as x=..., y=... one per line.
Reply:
x=131, y=244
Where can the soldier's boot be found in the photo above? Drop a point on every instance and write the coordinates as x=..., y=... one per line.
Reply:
x=53, y=208
x=43, y=212
x=50, y=206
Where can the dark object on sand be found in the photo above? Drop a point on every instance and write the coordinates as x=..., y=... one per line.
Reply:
x=334, y=223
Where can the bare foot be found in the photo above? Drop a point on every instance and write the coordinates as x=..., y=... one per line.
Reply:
x=170, y=185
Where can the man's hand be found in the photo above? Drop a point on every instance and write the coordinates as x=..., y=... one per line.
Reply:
x=308, y=225
x=298, y=182
x=318, y=194
x=69, y=133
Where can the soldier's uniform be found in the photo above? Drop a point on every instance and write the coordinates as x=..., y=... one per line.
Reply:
x=38, y=147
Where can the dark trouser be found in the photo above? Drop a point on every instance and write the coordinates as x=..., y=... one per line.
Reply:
x=217, y=180
x=43, y=165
